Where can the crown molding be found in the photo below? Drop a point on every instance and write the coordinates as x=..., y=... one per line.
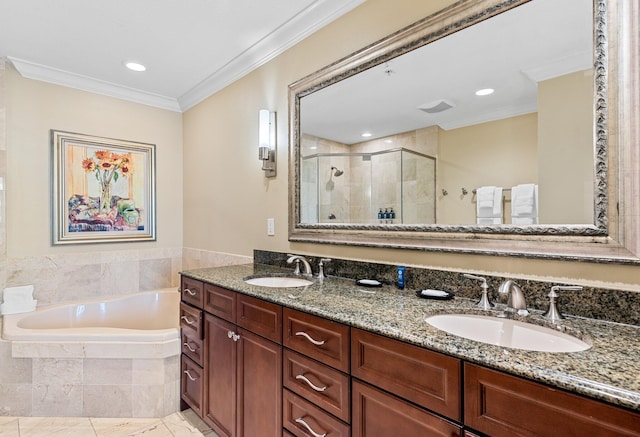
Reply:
x=308, y=21
x=31, y=70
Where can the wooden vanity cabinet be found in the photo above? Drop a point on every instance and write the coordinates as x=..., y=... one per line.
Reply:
x=504, y=405
x=243, y=369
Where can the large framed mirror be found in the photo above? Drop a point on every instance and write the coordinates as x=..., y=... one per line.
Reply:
x=492, y=126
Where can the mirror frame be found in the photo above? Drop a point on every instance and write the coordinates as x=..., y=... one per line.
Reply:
x=615, y=234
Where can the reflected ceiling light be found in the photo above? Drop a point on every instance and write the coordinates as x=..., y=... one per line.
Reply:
x=366, y=134
x=135, y=66
x=485, y=92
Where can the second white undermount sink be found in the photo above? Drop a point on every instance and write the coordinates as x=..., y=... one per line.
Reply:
x=507, y=332
x=278, y=281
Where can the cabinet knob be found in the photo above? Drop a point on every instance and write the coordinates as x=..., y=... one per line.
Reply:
x=311, y=384
x=313, y=433
x=308, y=337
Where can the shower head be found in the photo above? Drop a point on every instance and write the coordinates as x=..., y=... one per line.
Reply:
x=337, y=172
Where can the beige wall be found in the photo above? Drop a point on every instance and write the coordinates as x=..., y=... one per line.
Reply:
x=500, y=153
x=565, y=132
x=228, y=200
x=73, y=272
x=33, y=108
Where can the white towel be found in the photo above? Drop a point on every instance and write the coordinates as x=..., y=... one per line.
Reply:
x=22, y=293
x=489, y=204
x=18, y=307
x=489, y=220
x=524, y=204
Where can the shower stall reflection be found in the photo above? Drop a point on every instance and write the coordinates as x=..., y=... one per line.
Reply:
x=355, y=187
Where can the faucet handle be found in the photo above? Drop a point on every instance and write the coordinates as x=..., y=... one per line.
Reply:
x=552, y=314
x=321, y=267
x=484, y=302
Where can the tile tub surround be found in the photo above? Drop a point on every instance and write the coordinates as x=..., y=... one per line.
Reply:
x=594, y=303
x=602, y=372
x=87, y=387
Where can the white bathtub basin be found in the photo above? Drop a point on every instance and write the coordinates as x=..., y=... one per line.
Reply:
x=278, y=282
x=507, y=333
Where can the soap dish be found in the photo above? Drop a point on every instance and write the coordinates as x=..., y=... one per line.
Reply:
x=434, y=294
x=369, y=283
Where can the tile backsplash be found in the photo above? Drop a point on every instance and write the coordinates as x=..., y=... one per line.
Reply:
x=591, y=302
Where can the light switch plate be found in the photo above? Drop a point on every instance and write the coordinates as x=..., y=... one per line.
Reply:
x=271, y=226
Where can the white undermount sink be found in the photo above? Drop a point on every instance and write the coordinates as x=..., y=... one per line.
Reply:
x=278, y=281
x=507, y=332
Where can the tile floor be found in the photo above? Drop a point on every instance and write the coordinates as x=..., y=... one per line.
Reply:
x=182, y=424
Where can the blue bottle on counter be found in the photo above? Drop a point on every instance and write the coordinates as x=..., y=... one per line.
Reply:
x=401, y=271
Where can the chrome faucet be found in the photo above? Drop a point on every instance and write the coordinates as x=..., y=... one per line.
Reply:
x=484, y=302
x=298, y=259
x=516, y=301
x=552, y=314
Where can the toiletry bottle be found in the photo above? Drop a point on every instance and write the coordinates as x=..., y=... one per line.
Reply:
x=392, y=214
x=380, y=215
x=401, y=271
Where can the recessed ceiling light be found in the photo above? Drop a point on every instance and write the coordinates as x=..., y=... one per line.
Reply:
x=135, y=66
x=366, y=134
x=484, y=92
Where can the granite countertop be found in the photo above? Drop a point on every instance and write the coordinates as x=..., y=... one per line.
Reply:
x=609, y=370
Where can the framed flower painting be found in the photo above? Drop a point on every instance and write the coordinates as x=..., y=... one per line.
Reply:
x=103, y=189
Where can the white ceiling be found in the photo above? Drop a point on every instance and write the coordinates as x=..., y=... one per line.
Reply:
x=191, y=48
x=510, y=53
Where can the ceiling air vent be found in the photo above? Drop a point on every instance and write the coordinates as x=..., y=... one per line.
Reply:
x=436, y=106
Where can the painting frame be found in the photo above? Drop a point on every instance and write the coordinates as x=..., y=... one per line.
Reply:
x=103, y=189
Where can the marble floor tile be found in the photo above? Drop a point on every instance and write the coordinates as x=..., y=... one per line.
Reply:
x=55, y=427
x=108, y=427
x=9, y=427
x=187, y=424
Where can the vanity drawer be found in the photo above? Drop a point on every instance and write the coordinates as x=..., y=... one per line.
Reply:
x=429, y=379
x=192, y=346
x=318, y=338
x=220, y=302
x=332, y=388
x=191, y=319
x=192, y=384
x=504, y=405
x=191, y=291
x=260, y=317
x=302, y=418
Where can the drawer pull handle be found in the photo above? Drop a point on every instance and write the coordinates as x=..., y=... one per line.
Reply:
x=311, y=384
x=192, y=293
x=186, y=372
x=315, y=434
x=308, y=337
x=188, y=320
x=188, y=346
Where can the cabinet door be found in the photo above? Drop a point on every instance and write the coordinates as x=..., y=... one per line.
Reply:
x=259, y=395
x=220, y=382
x=503, y=405
x=379, y=414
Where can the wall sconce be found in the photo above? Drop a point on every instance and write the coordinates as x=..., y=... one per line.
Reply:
x=267, y=142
